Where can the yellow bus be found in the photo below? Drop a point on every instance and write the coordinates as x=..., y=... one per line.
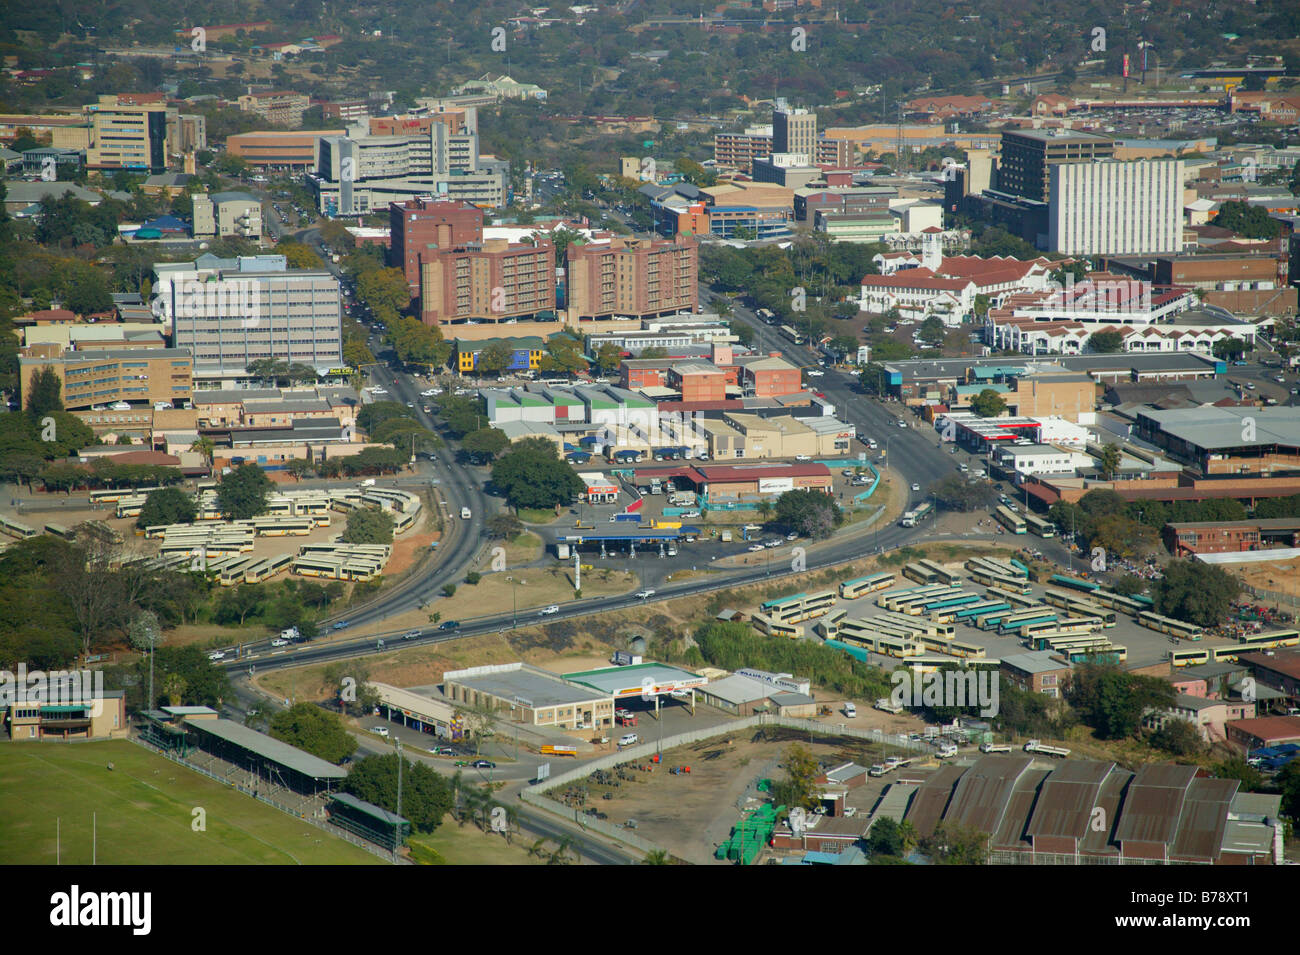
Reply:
x=852, y=589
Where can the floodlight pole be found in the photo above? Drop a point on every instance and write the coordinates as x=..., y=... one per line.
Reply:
x=397, y=823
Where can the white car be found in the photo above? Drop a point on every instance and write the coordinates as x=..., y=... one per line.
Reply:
x=902, y=423
x=279, y=642
x=803, y=457
x=755, y=547
x=546, y=611
x=380, y=731
x=217, y=655
x=916, y=487
x=690, y=514
x=814, y=373
x=645, y=594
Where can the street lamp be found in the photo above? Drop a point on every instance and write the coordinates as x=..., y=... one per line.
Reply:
x=514, y=603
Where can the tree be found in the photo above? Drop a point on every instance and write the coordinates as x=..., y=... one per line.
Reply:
x=504, y=527
x=310, y=728
x=43, y=395
x=168, y=505
x=242, y=493
x=955, y=493
x=369, y=525
x=954, y=844
x=1112, y=701
x=531, y=475
x=1105, y=342
x=496, y=357
x=1253, y=222
x=1195, y=592
x=1236, y=767
x=1229, y=349
x=608, y=357
x=1108, y=461
x=299, y=256
x=484, y=444
x=1178, y=737
x=932, y=331
x=885, y=838
x=988, y=404
x=809, y=513
x=426, y=795
x=797, y=787
x=237, y=604
x=204, y=446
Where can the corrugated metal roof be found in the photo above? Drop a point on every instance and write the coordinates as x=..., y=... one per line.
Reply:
x=984, y=790
x=1204, y=819
x=1069, y=795
x=931, y=799
x=269, y=748
x=1154, y=803
x=1013, y=832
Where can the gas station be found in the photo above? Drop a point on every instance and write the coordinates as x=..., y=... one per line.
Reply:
x=647, y=681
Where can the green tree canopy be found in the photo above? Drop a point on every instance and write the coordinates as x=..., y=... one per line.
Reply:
x=1195, y=592
x=988, y=404
x=426, y=795
x=309, y=728
x=531, y=475
x=810, y=513
x=369, y=525
x=168, y=505
x=242, y=493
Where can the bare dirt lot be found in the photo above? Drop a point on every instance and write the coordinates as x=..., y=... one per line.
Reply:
x=691, y=814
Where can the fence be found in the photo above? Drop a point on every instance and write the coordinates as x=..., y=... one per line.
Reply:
x=275, y=804
x=535, y=795
x=1290, y=600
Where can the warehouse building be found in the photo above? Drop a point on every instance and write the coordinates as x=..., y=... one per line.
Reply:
x=1036, y=815
x=530, y=695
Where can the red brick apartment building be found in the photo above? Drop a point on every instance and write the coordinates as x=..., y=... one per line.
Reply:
x=698, y=381
x=1219, y=537
x=491, y=281
x=635, y=278
x=424, y=225
x=770, y=377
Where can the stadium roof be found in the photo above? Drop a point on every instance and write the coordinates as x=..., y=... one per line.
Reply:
x=269, y=748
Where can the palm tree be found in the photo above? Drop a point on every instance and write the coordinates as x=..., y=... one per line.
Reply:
x=205, y=447
x=560, y=855
x=1109, y=461
x=658, y=857
x=537, y=849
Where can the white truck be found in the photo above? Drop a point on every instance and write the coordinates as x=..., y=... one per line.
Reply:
x=464, y=513
x=1036, y=746
x=946, y=751
x=994, y=748
x=887, y=705
x=916, y=515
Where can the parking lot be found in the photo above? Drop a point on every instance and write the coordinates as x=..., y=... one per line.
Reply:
x=1145, y=647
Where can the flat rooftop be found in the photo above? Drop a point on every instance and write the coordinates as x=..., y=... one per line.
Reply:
x=510, y=680
x=627, y=681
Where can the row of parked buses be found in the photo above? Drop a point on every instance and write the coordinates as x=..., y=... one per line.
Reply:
x=798, y=607
x=1270, y=640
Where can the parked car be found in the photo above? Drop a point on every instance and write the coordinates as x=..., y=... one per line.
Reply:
x=628, y=739
x=754, y=548
x=380, y=731
x=803, y=457
x=443, y=751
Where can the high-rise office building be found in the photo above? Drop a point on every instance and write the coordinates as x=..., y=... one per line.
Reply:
x=794, y=131
x=232, y=312
x=1029, y=154
x=427, y=224
x=1109, y=207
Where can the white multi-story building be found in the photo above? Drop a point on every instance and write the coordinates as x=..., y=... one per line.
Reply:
x=232, y=312
x=1111, y=207
x=356, y=174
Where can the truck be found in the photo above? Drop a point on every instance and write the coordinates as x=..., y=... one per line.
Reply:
x=946, y=751
x=1036, y=746
x=625, y=516
x=726, y=536
x=292, y=635
x=681, y=498
x=916, y=515
x=994, y=748
x=887, y=705
x=464, y=513
x=551, y=750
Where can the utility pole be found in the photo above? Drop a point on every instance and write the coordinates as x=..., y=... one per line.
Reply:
x=397, y=823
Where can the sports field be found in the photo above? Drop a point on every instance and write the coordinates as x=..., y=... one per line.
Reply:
x=144, y=811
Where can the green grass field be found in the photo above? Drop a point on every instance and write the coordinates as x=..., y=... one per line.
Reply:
x=144, y=811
